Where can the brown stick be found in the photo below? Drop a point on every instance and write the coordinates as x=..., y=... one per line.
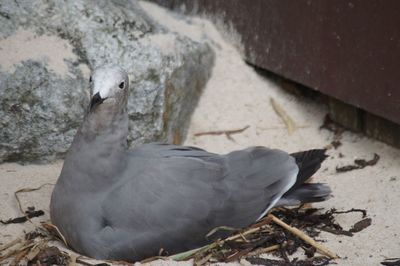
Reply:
x=240, y=235
x=19, y=257
x=49, y=227
x=304, y=237
x=34, y=251
x=264, y=250
x=72, y=261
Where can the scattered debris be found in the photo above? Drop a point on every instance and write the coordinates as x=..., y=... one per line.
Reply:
x=227, y=133
x=22, y=190
x=34, y=250
x=278, y=233
x=304, y=237
x=391, y=262
x=50, y=256
x=361, y=225
x=271, y=235
x=332, y=126
x=316, y=261
x=336, y=143
x=337, y=130
x=337, y=231
x=364, y=212
x=290, y=124
x=357, y=227
x=53, y=231
x=363, y=163
x=30, y=213
x=358, y=164
x=346, y=168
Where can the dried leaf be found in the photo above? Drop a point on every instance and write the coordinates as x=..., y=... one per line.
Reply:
x=290, y=124
x=361, y=225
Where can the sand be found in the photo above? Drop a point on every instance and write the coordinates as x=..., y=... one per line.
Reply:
x=235, y=97
x=24, y=45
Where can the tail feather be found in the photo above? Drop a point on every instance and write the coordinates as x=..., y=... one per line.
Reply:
x=312, y=192
x=308, y=162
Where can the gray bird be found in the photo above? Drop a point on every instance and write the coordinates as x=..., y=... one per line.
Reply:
x=111, y=202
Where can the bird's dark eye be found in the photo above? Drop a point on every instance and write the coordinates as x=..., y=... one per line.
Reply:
x=121, y=85
x=90, y=79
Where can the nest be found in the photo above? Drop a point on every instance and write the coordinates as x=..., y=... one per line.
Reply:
x=284, y=232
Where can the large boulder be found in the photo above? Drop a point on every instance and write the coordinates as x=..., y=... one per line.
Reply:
x=47, y=49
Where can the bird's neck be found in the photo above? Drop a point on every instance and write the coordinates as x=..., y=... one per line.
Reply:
x=105, y=127
x=98, y=150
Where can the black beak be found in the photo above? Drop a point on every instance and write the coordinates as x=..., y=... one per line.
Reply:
x=96, y=100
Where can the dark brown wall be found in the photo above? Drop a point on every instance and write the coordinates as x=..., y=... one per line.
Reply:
x=346, y=49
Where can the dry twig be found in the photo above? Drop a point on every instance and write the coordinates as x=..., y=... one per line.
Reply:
x=304, y=237
x=51, y=227
x=34, y=251
x=72, y=261
x=264, y=250
x=19, y=257
x=227, y=133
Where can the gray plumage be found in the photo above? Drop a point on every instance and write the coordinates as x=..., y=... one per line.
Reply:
x=114, y=203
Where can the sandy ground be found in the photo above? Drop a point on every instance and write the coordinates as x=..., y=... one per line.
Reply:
x=236, y=96
x=24, y=45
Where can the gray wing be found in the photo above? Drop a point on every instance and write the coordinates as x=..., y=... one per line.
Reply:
x=174, y=195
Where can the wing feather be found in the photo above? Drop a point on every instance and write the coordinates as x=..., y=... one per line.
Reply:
x=181, y=193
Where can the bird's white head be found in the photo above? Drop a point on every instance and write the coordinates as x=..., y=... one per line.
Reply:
x=108, y=84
